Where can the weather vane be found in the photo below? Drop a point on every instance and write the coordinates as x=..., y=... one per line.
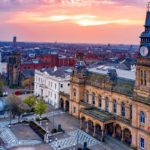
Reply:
x=148, y=6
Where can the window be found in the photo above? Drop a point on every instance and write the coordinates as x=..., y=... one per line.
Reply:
x=55, y=86
x=61, y=85
x=68, y=84
x=74, y=92
x=141, y=77
x=107, y=105
x=115, y=106
x=145, y=78
x=123, y=113
x=142, y=117
x=142, y=143
x=100, y=101
x=93, y=98
x=74, y=109
x=87, y=96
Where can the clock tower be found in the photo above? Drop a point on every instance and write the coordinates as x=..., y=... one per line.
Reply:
x=142, y=85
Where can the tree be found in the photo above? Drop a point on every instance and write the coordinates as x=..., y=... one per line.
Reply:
x=16, y=106
x=28, y=83
x=40, y=108
x=13, y=102
x=30, y=101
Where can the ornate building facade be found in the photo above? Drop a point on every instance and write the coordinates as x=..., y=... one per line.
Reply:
x=114, y=103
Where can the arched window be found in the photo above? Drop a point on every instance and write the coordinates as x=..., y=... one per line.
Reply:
x=87, y=96
x=100, y=101
x=74, y=92
x=107, y=105
x=115, y=106
x=142, y=117
x=93, y=98
x=123, y=110
x=145, y=78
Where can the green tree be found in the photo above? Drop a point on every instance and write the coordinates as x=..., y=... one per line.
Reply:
x=30, y=101
x=40, y=108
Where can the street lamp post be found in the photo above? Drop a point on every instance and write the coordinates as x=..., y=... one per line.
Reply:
x=10, y=118
x=47, y=133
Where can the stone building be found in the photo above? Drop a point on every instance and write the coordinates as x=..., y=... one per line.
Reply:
x=49, y=83
x=115, y=102
x=14, y=70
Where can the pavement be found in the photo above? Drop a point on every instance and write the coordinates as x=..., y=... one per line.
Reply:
x=9, y=137
x=25, y=139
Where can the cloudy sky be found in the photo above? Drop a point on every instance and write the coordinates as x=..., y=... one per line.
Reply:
x=86, y=21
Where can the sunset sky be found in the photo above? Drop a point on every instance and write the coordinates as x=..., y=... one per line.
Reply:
x=84, y=21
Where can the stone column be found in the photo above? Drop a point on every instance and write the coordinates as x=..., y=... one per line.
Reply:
x=64, y=105
x=122, y=133
x=80, y=123
x=103, y=133
x=114, y=130
x=94, y=134
x=87, y=127
x=102, y=136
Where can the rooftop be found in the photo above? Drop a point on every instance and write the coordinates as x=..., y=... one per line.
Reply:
x=61, y=72
x=103, y=69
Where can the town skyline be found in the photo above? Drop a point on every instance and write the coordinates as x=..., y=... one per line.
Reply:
x=64, y=20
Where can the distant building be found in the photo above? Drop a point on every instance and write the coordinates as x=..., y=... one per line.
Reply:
x=3, y=68
x=14, y=70
x=14, y=42
x=48, y=83
x=46, y=61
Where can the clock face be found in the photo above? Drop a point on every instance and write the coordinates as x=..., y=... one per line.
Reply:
x=144, y=51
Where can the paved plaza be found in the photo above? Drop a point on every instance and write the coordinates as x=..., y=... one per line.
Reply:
x=22, y=137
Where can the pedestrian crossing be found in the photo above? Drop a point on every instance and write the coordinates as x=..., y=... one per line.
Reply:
x=75, y=137
x=29, y=142
x=8, y=137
